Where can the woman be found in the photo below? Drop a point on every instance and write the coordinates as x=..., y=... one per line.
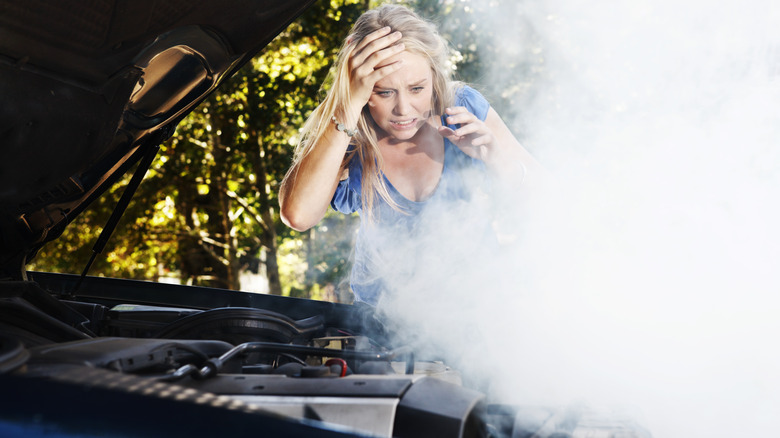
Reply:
x=394, y=136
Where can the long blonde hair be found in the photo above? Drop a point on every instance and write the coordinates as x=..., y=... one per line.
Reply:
x=420, y=37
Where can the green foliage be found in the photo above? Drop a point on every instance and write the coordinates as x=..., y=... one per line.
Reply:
x=143, y=246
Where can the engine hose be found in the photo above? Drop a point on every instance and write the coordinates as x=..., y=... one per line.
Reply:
x=213, y=366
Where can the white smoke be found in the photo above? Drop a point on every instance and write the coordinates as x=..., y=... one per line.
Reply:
x=648, y=278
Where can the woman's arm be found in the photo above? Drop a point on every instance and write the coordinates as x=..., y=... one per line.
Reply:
x=509, y=152
x=308, y=187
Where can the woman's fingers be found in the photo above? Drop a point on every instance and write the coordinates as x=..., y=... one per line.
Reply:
x=466, y=138
x=373, y=48
x=373, y=36
x=365, y=76
x=469, y=128
x=448, y=132
x=484, y=140
x=465, y=144
x=459, y=115
x=469, y=123
x=368, y=62
x=374, y=63
x=471, y=132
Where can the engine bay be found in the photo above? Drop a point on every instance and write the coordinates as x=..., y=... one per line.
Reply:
x=246, y=358
x=301, y=367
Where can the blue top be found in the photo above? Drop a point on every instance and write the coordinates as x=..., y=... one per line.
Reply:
x=396, y=244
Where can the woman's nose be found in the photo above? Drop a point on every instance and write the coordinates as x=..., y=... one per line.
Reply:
x=402, y=105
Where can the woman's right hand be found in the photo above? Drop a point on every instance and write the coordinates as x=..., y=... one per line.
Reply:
x=367, y=63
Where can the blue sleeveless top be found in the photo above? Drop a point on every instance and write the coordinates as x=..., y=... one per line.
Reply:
x=392, y=249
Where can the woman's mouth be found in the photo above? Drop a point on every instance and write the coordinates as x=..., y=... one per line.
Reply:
x=403, y=124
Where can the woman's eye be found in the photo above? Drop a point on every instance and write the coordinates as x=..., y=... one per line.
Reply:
x=417, y=89
x=383, y=93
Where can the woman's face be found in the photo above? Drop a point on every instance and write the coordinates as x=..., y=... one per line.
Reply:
x=401, y=101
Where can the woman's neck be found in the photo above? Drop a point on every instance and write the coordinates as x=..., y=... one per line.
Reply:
x=414, y=166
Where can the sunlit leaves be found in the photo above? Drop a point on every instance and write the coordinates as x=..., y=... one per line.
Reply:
x=164, y=211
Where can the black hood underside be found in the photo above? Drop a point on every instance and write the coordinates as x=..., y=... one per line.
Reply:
x=89, y=86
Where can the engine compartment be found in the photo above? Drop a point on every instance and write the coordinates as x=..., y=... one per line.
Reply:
x=255, y=359
x=298, y=367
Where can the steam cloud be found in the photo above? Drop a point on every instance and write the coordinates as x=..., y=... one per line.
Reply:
x=646, y=279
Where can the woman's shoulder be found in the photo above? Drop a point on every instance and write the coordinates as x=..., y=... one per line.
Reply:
x=473, y=100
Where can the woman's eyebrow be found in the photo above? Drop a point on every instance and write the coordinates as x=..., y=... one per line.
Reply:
x=412, y=85
x=418, y=83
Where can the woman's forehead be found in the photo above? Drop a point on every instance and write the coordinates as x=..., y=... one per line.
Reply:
x=415, y=69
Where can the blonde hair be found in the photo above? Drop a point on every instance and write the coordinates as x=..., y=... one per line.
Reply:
x=419, y=37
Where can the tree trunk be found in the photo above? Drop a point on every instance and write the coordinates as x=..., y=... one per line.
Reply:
x=261, y=187
x=268, y=237
x=272, y=270
x=230, y=250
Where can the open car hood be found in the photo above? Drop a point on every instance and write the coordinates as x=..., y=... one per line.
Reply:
x=89, y=87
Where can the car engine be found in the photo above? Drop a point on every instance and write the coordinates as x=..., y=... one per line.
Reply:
x=308, y=368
